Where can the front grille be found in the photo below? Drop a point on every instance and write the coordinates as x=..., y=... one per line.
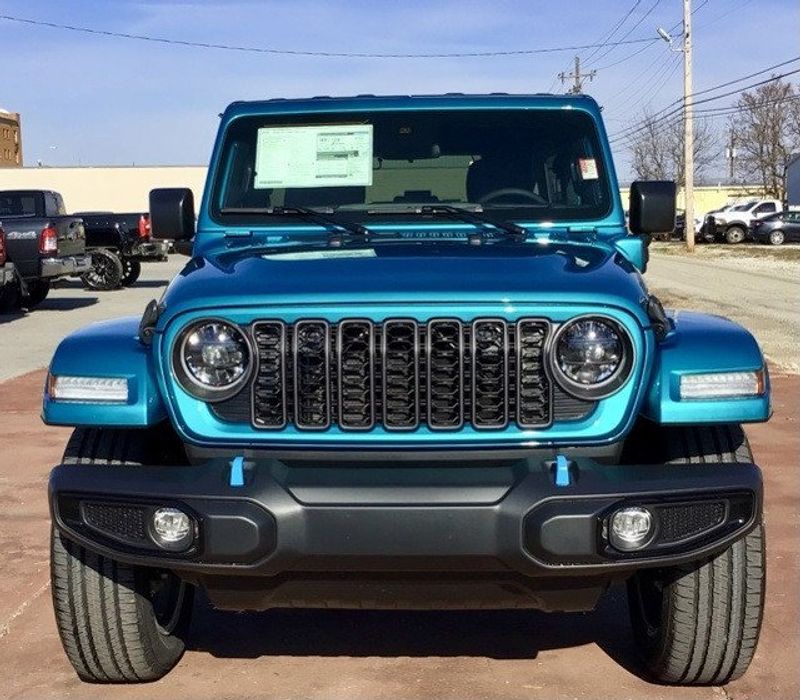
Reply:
x=401, y=374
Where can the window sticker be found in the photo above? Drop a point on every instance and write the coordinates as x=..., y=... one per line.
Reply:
x=588, y=168
x=314, y=156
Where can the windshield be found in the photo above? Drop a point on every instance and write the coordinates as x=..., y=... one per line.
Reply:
x=533, y=165
x=743, y=207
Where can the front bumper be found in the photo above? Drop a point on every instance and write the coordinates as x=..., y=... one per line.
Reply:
x=66, y=266
x=330, y=518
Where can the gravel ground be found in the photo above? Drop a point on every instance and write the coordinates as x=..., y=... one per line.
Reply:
x=756, y=286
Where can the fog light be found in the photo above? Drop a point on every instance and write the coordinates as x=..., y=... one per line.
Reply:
x=172, y=528
x=630, y=529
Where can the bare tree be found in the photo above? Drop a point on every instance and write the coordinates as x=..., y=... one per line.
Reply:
x=766, y=130
x=657, y=148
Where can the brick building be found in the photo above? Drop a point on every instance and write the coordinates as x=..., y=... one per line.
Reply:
x=10, y=140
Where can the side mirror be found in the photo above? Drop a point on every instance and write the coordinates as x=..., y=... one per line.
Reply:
x=652, y=206
x=172, y=213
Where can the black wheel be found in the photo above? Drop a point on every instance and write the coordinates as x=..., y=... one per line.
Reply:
x=106, y=271
x=777, y=237
x=131, y=269
x=735, y=234
x=10, y=297
x=698, y=624
x=37, y=293
x=117, y=623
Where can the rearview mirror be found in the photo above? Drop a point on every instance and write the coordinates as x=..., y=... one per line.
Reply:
x=652, y=206
x=172, y=213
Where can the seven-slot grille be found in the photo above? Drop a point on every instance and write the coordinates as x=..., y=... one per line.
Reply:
x=401, y=374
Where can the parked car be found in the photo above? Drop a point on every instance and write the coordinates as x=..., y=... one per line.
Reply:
x=777, y=229
x=680, y=226
x=731, y=224
x=412, y=363
x=123, y=236
x=39, y=247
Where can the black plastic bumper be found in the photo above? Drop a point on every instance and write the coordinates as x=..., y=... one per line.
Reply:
x=504, y=517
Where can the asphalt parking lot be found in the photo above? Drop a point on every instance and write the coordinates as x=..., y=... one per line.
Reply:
x=360, y=654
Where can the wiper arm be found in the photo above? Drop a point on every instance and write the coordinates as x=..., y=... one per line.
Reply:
x=335, y=228
x=476, y=217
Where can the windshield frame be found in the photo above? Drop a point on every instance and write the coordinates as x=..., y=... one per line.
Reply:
x=212, y=208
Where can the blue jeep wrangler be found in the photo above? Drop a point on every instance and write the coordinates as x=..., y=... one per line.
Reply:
x=411, y=363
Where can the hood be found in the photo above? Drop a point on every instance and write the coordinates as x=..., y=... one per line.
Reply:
x=408, y=273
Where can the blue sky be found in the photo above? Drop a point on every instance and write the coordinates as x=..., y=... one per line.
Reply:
x=97, y=100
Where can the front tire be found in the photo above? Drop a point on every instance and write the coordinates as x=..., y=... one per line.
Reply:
x=117, y=623
x=698, y=624
x=735, y=235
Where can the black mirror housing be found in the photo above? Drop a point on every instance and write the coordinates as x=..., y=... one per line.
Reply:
x=652, y=206
x=172, y=213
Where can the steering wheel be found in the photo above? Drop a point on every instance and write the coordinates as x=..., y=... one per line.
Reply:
x=507, y=191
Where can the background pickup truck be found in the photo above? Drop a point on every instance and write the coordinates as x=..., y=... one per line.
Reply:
x=41, y=244
x=123, y=238
x=732, y=223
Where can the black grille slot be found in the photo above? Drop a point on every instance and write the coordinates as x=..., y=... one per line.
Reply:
x=534, y=394
x=269, y=388
x=355, y=355
x=445, y=346
x=489, y=352
x=311, y=356
x=119, y=520
x=400, y=354
x=681, y=521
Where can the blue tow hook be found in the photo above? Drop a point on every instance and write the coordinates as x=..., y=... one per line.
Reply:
x=237, y=471
x=563, y=476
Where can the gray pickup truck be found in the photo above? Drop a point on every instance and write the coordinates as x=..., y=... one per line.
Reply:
x=40, y=244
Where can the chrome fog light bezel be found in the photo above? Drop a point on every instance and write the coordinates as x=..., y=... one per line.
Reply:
x=163, y=539
x=619, y=542
x=186, y=378
x=608, y=386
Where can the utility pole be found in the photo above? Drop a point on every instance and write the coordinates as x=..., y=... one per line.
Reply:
x=577, y=77
x=730, y=154
x=688, y=127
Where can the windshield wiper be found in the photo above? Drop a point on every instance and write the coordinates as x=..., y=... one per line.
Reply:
x=335, y=228
x=478, y=218
x=469, y=213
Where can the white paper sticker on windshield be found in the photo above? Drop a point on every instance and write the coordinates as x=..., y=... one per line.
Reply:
x=314, y=156
x=588, y=168
x=322, y=254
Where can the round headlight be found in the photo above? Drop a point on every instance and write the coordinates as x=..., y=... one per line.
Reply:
x=213, y=359
x=591, y=356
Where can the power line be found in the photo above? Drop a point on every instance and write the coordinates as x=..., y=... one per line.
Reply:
x=630, y=29
x=317, y=54
x=658, y=117
x=615, y=28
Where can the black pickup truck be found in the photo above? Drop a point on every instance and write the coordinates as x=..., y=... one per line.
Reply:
x=38, y=246
x=125, y=237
